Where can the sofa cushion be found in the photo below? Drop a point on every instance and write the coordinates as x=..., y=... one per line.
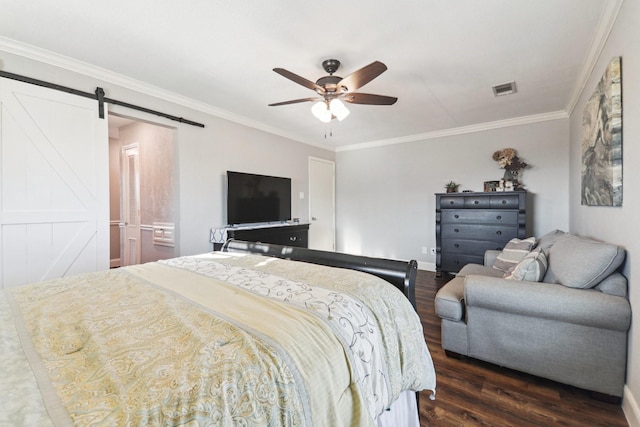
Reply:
x=532, y=268
x=614, y=284
x=514, y=251
x=546, y=241
x=582, y=263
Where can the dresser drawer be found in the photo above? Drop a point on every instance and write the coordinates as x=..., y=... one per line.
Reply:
x=505, y=201
x=498, y=233
x=298, y=239
x=477, y=202
x=295, y=235
x=451, y=202
x=464, y=246
x=479, y=216
x=454, y=262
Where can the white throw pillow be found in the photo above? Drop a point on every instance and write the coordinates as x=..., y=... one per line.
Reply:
x=531, y=269
x=514, y=251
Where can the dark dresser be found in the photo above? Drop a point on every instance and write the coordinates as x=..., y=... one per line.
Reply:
x=468, y=224
x=291, y=235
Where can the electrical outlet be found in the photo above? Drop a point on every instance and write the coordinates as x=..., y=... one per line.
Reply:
x=433, y=251
x=424, y=250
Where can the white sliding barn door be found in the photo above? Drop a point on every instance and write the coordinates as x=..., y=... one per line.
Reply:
x=54, y=188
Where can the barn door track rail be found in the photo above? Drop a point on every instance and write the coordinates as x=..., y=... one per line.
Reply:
x=98, y=95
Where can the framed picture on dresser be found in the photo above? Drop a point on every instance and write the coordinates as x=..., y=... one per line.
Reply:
x=490, y=186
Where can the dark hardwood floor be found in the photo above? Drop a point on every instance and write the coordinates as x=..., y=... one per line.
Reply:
x=474, y=393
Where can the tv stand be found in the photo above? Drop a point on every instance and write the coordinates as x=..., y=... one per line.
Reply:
x=285, y=234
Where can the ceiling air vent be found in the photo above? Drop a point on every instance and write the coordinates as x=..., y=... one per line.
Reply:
x=504, y=89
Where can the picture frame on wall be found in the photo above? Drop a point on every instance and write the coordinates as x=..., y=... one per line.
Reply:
x=601, y=171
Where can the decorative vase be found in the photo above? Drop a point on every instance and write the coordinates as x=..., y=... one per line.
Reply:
x=512, y=175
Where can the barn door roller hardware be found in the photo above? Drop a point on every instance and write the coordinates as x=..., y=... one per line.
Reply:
x=98, y=95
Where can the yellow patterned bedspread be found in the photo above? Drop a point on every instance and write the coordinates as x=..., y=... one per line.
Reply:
x=214, y=340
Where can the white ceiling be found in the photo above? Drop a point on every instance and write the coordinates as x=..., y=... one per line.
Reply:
x=443, y=57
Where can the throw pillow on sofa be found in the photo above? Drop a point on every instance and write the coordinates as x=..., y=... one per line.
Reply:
x=514, y=252
x=579, y=262
x=532, y=268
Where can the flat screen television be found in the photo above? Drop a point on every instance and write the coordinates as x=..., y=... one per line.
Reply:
x=255, y=198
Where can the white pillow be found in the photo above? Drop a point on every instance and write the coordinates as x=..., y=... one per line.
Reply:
x=531, y=269
x=514, y=251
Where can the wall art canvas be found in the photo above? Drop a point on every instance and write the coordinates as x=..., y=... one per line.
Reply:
x=602, y=141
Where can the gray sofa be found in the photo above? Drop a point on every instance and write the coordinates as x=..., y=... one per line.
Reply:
x=570, y=327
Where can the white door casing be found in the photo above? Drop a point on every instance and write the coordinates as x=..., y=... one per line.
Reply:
x=54, y=188
x=322, y=232
x=130, y=203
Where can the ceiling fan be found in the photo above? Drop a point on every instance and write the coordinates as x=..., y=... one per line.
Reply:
x=332, y=90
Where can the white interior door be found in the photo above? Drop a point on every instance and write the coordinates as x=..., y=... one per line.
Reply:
x=322, y=204
x=54, y=188
x=131, y=204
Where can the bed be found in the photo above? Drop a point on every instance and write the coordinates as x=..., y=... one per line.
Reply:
x=252, y=335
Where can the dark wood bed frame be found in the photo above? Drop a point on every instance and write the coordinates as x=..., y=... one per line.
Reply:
x=401, y=274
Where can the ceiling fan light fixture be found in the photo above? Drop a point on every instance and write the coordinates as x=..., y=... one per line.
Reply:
x=321, y=111
x=338, y=109
x=331, y=88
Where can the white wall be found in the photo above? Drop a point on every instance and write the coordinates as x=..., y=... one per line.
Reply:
x=385, y=195
x=204, y=154
x=617, y=224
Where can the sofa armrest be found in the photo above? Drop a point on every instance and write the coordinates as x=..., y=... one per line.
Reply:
x=548, y=301
x=490, y=257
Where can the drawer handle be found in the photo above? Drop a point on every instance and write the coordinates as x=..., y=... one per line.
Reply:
x=504, y=202
x=475, y=202
x=456, y=216
x=293, y=238
x=456, y=245
x=498, y=232
x=499, y=217
x=456, y=230
x=451, y=202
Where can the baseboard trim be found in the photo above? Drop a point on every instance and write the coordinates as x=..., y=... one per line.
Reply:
x=429, y=266
x=114, y=263
x=630, y=408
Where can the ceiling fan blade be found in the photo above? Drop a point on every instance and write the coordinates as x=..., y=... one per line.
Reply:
x=300, y=80
x=367, y=98
x=295, y=101
x=364, y=75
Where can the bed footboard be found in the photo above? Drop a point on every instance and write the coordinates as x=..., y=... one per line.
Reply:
x=401, y=274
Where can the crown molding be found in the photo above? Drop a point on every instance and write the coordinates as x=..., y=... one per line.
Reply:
x=557, y=115
x=608, y=17
x=73, y=65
